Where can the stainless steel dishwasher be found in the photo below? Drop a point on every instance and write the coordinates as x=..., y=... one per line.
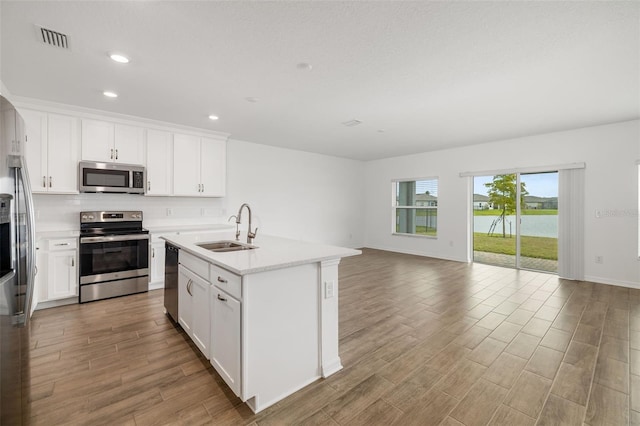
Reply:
x=171, y=281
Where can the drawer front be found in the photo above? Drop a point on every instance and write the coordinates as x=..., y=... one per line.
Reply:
x=227, y=281
x=63, y=244
x=198, y=266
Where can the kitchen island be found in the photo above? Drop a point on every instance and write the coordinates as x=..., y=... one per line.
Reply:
x=267, y=317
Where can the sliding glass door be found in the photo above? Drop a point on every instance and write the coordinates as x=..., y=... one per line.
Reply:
x=515, y=220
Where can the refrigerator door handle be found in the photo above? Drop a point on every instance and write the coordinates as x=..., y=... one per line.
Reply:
x=31, y=240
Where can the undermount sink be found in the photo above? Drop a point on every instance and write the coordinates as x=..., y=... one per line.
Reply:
x=227, y=245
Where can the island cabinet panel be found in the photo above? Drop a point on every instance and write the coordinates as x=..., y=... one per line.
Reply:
x=280, y=334
x=193, y=307
x=225, y=337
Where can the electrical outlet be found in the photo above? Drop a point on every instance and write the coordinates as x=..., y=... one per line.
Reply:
x=169, y=212
x=599, y=259
x=328, y=289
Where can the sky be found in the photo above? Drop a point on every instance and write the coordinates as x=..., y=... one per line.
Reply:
x=538, y=184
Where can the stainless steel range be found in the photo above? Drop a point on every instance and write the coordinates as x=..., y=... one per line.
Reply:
x=114, y=255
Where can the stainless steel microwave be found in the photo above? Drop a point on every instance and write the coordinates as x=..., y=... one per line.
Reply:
x=111, y=177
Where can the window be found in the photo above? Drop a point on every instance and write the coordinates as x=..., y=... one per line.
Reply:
x=415, y=207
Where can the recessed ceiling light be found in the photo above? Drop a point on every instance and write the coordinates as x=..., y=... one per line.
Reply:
x=213, y=117
x=119, y=58
x=251, y=99
x=380, y=131
x=352, y=123
x=110, y=94
x=304, y=66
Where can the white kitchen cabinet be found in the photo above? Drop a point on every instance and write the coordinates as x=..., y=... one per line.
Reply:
x=52, y=152
x=225, y=337
x=213, y=171
x=129, y=144
x=156, y=263
x=57, y=263
x=108, y=142
x=12, y=131
x=97, y=140
x=193, y=307
x=199, y=166
x=62, y=273
x=159, y=162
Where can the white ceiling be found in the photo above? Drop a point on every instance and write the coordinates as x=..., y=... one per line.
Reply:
x=419, y=75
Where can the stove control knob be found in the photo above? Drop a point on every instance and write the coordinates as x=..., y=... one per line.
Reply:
x=90, y=217
x=84, y=217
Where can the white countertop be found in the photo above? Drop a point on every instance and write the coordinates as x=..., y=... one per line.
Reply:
x=57, y=234
x=272, y=252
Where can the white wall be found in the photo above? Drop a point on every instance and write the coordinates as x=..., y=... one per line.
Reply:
x=62, y=212
x=610, y=153
x=292, y=194
x=296, y=194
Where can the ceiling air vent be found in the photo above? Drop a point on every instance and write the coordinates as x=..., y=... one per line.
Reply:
x=352, y=123
x=54, y=38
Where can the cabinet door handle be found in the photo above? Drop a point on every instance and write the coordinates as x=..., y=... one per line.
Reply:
x=148, y=185
x=61, y=244
x=221, y=280
x=112, y=153
x=222, y=299
x=50, y=181
x=116, y=154
x=203, y=187
x=189, y=287
x=73, y=262
x=44, y=181
x=153, y=252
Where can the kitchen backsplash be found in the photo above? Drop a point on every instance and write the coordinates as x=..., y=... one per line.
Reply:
x=61, y=212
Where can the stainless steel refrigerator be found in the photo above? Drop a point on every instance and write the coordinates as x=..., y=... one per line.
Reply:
x=17, y=268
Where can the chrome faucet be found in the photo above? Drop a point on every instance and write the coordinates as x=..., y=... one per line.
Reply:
x=250, y=235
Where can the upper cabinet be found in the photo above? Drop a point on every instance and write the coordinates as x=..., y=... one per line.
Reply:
x=159, y=162
x=176, y=164
x=108, y=142
x=52, y=152
x=199, y=166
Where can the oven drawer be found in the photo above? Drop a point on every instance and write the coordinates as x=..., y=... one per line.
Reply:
x=227, y=281
x=63, y=244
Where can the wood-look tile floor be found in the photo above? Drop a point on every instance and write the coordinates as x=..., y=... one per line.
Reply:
x=422, y=341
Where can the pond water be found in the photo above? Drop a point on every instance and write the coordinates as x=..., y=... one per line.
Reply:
x=534, y=226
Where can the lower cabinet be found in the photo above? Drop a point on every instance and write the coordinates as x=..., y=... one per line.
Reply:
x=62, y=274
x=225, y=337
x=57, y=263
x=156, y=264
x=193, y=307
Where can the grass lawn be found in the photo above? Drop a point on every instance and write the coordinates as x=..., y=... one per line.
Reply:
x=531, y=212
x=422, y=230
x=537, y=247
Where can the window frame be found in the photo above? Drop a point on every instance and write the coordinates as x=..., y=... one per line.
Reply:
x=395, y=207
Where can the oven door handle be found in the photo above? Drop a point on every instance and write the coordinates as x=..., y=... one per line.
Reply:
x=113, y=238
